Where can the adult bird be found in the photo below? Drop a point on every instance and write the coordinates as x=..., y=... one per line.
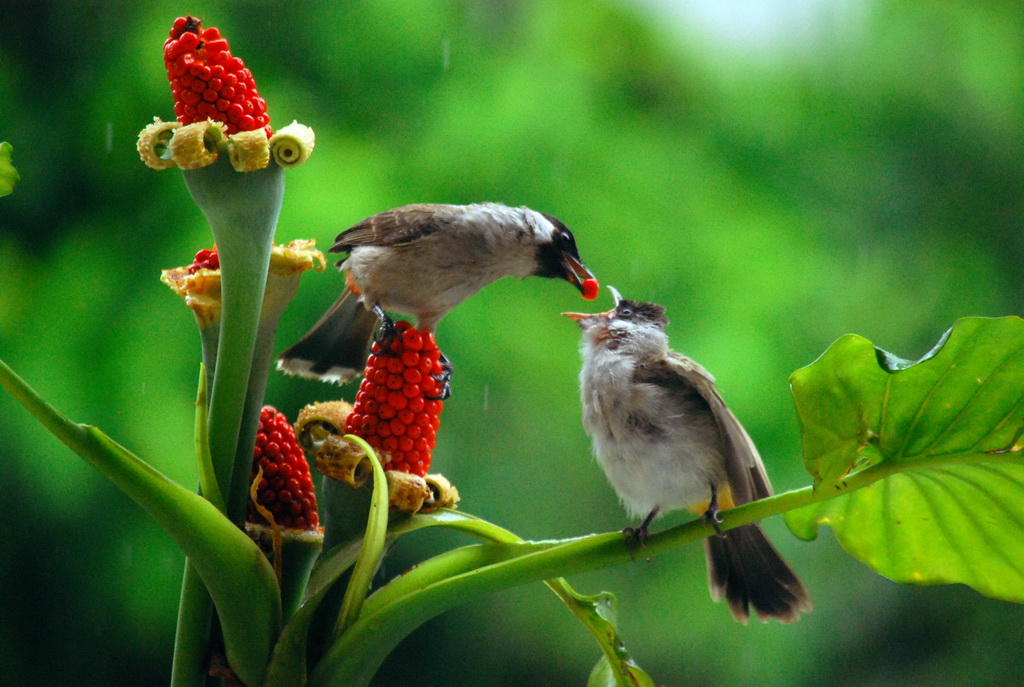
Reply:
x=424, y=260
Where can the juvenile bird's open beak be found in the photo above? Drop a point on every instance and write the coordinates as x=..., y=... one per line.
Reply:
x=595, y=326
x=577, y=274
x=578, y=317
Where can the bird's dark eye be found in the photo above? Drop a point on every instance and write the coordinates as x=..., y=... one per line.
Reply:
x=626, y=312
x=563, y=238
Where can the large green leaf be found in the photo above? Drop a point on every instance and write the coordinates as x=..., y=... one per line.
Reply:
x=604, y=674
x=237, y=574
x=935, y=444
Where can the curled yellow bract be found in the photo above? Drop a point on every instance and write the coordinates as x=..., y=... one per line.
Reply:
x=292, y=145
x=163, y=145
x=154, y=144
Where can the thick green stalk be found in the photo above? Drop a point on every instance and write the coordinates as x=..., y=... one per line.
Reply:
x=242, y=210
x=277, y=295
x=192, y=637
x=195, y=607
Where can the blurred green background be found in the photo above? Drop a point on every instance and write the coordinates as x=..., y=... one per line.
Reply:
x=776, y=173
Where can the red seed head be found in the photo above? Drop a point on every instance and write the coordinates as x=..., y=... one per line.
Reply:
x=208, y=82
x=590, y=289
x=394, y=409
x=286, y=488
x=205, y=259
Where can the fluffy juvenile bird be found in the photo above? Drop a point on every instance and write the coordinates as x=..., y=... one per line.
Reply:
x=667, y=441
x=423, y=260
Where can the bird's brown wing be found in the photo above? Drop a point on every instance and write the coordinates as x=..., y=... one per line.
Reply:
x=743, y=466
x=394, y=227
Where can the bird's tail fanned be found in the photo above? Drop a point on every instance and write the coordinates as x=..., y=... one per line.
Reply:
x=745, y=569
x=335, y=348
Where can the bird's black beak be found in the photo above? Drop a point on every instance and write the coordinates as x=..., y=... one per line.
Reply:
x=577, y=274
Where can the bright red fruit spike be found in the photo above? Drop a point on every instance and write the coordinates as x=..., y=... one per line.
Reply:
x=590, y=289
x=286, y=489
x=396, y=409
x=207, y=82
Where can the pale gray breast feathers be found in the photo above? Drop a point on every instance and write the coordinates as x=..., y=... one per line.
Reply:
x=629, y=402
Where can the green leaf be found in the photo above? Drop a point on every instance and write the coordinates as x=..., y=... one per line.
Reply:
x=837, y=427
x=8, y=174
x=616, y=667
x=373, y=544
x=237, y=574
x=605, y=675
x=938, y=444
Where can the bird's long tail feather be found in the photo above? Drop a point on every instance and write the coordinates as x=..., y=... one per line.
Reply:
x=745, y=569
x=335, y=348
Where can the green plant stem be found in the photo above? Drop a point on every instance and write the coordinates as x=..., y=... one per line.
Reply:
x=242, y=210
x=207, y=477
x=288, y=664
x=195, y=607
x=586, y=609
x=192, y=637
x=273, y=307
x=456, y=577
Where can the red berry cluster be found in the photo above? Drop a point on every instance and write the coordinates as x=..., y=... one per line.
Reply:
x=208, y=83
x=395, y=409
x=205, y=259
x=286, y=489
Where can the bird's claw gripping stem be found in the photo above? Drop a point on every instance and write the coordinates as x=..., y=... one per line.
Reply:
x=711, y=514
x=636, y=536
